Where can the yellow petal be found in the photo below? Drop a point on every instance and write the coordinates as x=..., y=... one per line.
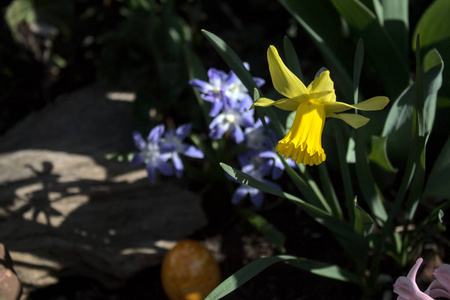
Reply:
x=284, y=81
x=322, y=84
x=263, y=102
x=375, y=103
x=285, y=103
x=353, y=120
x=303, y=142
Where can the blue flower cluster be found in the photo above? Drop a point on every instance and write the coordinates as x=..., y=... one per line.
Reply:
x=230, y=103
x=160, y=147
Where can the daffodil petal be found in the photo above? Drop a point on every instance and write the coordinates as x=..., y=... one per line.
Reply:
x=321, y=84
x=375, y=103
x=284, y=81
x=353, y=120
x=285, y=103
x=303, y=142
x=263, y=102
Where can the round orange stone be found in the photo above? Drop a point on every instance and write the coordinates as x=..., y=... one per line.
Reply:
x=189, y=272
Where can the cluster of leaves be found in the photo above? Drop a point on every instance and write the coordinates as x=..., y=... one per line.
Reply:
x=393, y=146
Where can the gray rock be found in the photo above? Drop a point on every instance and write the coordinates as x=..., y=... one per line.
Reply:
x=67, y=210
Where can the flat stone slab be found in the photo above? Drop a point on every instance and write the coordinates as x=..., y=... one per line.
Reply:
x=67, y=210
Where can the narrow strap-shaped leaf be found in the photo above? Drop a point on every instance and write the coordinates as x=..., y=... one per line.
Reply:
x=416, y=150
x=249, y=271
x=396, y=23
x=292, y=61
x=345, y=171
x=363, y=222
x=369, y=189
x=378, y=154
x=311, y=15
x=330, y=193
x=437, y=184
x=245, y=274
x=196, y=70
x=391, y=65
x=337, y=226
x=232, y=60
x=325, y=269
x=357, y=67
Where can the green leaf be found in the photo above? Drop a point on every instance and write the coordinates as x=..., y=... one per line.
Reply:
x=19, y=11
x=330, y=193
x=357, y=67
x=232, y=59
x=196, y=70
x=398, y=122
x=391, y=66
x=345, y=170
x=369, y=189
x=325, y=270
x=378, y=154
x=245, y=274
x=322, y=24
x=396, y=23
x=363, y=222
x=437, y=184
x=338, y=227
x=433, y=26
x=265, y=227
x=249, y=271
x=292, y=61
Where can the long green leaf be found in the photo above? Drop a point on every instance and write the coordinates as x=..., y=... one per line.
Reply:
x=338, y=227
x=371, y=193
x=363, y=222
x=325, y=270
x=321, y=23
x=398, y=122
x=437, y=184
x=391, y=66
x=357, y=68
x=245, y=274
x=249, y=271
x=396, y=23
x=232, y=59
x=292, y=61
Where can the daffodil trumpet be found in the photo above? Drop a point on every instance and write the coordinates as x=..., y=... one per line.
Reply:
x=313, y=104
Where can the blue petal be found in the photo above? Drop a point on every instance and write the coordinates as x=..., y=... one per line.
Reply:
x=239, y=194
x=192, y=151
x=165, y=168
x=217, y=132
x=178, y=164
x=215, y=108
x=155, y=134
x=138, y=158
x=138, y=140
x=256, y=197
x=201, y=85
x=258, y=81
x=237, y=134
x=183, y=131
x=151, y=172
x=247, y=120
x=216, y=77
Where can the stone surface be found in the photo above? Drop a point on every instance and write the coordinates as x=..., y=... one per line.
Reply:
x=67, y=210
x=10, y=287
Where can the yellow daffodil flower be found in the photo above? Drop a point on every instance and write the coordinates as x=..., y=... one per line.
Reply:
x=303, y=142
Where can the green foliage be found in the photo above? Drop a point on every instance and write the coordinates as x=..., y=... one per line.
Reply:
x=407, y=126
